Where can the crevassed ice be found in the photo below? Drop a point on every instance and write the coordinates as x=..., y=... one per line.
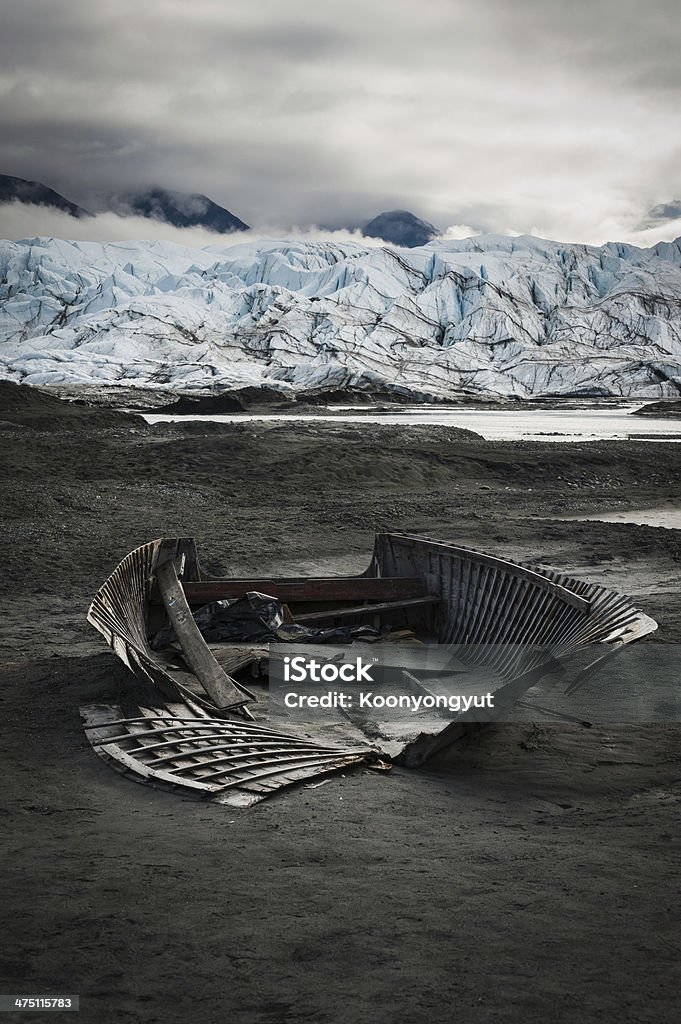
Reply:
x=494, y=315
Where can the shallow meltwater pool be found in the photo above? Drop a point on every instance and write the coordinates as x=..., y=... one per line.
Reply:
x=668, y=516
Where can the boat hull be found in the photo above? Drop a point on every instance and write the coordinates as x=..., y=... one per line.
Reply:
x=516, y=621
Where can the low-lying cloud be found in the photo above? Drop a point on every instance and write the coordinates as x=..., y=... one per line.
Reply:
x=20, y=221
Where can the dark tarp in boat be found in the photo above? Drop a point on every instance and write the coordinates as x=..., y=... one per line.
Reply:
x=261, y=618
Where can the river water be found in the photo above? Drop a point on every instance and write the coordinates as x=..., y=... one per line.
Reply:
x=558, y=425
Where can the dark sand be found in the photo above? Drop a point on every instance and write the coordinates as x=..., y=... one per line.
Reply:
x=535, y=878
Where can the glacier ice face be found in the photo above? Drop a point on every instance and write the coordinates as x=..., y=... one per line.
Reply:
x=490, y=315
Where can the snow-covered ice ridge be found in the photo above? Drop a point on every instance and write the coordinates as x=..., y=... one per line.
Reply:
x=492, y=315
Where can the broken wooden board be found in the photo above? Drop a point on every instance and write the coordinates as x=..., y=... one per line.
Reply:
x=229, y=761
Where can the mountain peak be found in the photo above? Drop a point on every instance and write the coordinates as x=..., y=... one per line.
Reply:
x=34, y=193
x=181, y=209
x=400, y=227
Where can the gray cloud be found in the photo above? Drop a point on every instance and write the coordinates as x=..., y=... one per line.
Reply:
x=663, y=213
x=554, y=116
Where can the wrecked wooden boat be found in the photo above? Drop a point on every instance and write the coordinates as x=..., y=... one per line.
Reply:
x=516, y=621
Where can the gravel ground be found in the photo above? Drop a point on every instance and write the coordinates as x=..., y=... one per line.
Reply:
x=532, y=878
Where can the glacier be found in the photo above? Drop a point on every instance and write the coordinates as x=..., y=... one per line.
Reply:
x=493, y=316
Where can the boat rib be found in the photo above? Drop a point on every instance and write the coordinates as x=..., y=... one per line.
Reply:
x=235, y=762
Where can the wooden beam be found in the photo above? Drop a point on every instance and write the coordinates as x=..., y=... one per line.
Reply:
x=219, y=687
x=351, y=588
x=359, y=611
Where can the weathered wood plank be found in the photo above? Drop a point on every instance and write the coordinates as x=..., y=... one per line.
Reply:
x=219, y=687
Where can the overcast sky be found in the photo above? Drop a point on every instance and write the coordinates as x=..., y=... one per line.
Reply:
x=557, y=117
